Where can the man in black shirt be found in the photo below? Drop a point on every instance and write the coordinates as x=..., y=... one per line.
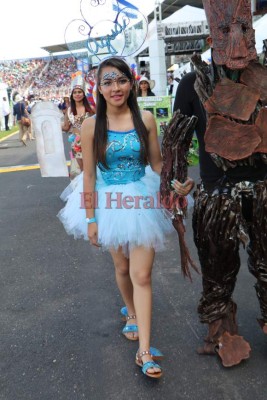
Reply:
x=188, y=102
x=19, y=111
x=229, y=100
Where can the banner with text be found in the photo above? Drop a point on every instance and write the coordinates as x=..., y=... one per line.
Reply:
x=160, y=106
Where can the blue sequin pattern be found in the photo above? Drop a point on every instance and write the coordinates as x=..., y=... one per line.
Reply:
x=123, y=158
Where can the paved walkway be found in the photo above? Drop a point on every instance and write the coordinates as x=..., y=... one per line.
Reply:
x=59, y=310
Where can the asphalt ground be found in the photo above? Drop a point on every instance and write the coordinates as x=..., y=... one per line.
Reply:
x=60, y=335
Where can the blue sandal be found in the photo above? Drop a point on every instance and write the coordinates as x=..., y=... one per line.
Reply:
x=124, y=313
x=147, y=365
x=130, y=329
x=156, y=354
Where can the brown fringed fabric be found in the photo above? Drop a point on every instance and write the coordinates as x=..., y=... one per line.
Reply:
x=261, y=124
x=223, y=339
x=203, y=84
x=222, y=218
x=222, y=135
x=257, y=249
x=218, y=230
x=232, y=99
x=175, y=147
x=255, y=77
x=228, y=104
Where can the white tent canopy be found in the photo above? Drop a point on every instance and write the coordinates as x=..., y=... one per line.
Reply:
x=183, y=15
x=186, y=14
x=151, y=35
x=260, y=27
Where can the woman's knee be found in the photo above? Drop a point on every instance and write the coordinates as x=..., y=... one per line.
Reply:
x=141, y=278
x=122, y=269
x=121, y=265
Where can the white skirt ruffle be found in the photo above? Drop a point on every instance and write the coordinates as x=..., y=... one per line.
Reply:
x=128, y=215
x=71, y=187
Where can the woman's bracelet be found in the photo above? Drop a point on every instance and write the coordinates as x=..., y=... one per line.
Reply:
x=90, y=220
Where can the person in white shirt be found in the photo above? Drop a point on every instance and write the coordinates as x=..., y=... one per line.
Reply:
x=6, y=112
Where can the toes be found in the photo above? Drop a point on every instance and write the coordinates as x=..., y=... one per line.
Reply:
x=153, y=370
x=131, y=335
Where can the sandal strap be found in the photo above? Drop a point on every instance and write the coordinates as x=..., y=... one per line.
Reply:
x=150, y=364
x=124, y=311
x=155, y=352
x=130, y=328
x=144, y=353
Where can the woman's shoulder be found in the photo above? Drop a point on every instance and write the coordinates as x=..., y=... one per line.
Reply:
x=89, y=124
x=148, y=118
x=146, y=115
x=87, y=131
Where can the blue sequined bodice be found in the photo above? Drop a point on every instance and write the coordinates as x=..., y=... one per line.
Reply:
x=123, y=158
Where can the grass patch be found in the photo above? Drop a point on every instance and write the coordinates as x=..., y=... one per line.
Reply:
x=6, y=133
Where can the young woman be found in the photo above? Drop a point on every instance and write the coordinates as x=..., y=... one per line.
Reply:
x=145, y=87
x=121, y=206
x=77, y=112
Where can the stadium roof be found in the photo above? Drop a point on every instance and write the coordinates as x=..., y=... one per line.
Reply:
x=58, y=48
x=168, y=7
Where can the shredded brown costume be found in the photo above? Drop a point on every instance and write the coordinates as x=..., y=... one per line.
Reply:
x=234, y=95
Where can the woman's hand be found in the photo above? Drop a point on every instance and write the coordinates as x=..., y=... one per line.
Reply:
x=183, y=188
x=93, y=234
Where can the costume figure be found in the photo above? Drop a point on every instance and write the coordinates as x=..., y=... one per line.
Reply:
x=46, y=120
x=231, y=202
x=77, y=112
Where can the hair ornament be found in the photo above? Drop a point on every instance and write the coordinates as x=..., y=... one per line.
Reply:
x=121, y=32
x=77, y=81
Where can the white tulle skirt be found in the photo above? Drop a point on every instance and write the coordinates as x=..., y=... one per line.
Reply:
x=128, y=215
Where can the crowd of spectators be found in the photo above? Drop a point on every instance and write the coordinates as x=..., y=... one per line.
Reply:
x=56, y=74
x=19, y=75
x=43, y=78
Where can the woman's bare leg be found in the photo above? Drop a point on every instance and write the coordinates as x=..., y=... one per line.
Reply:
x=121, y=264
x=141, y=262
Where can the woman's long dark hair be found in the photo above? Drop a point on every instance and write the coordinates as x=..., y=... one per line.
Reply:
x=101, y=126
x=85, y=103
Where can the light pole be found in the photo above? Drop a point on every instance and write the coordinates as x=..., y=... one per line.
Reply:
x=157, y=54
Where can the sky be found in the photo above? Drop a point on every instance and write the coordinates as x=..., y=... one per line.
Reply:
x=28, y=25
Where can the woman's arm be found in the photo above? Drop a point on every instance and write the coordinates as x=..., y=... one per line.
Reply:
x=66, y=125
x=89, y=176
x=154, y=154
